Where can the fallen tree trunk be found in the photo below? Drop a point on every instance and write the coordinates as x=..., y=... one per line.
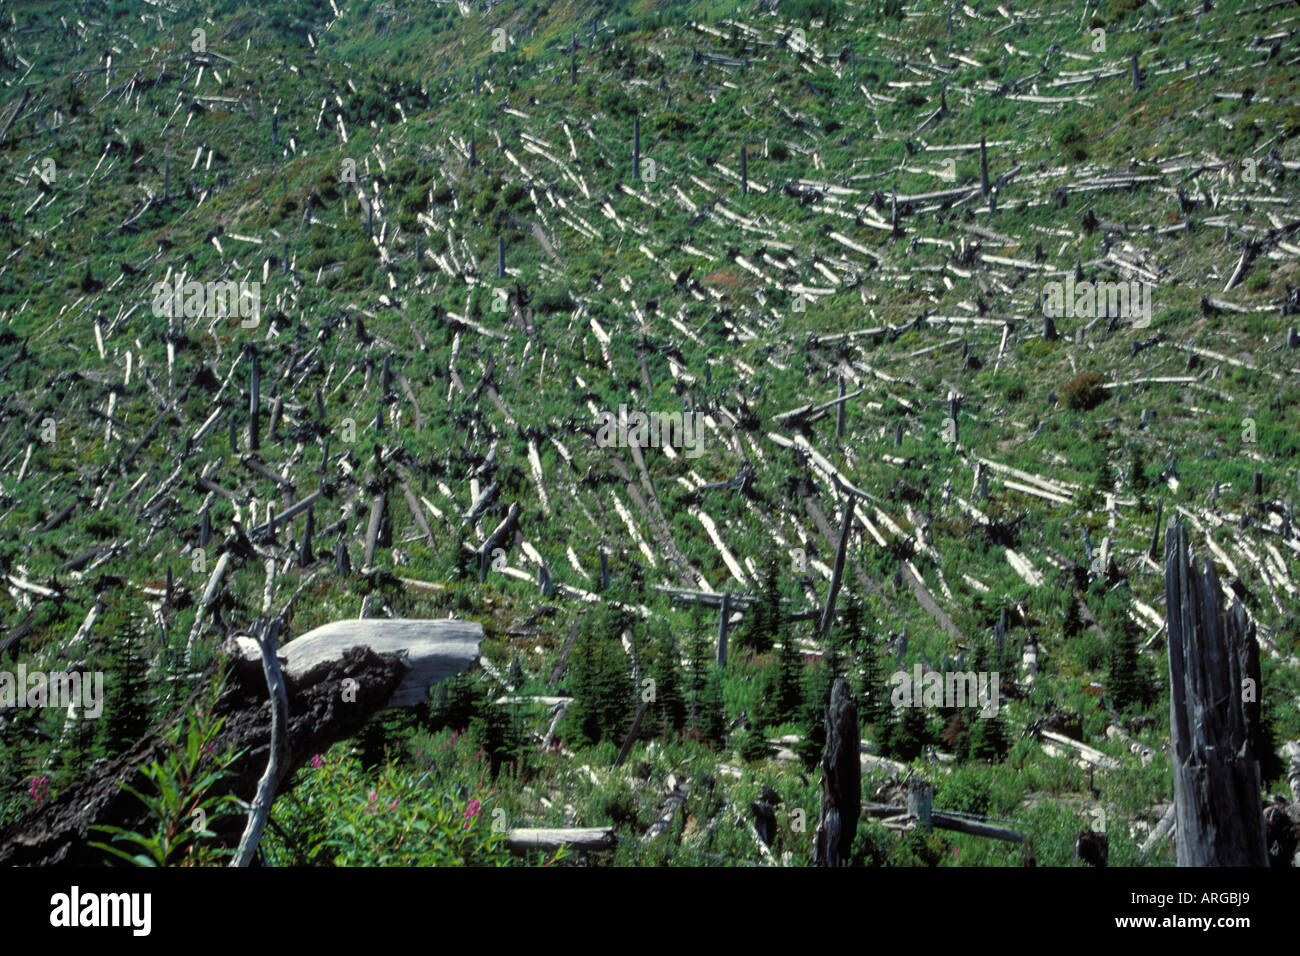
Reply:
x=525, y=840
x=433, y=650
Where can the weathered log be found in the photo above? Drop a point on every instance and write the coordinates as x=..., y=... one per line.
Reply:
x=841, y=552
x=526, y=840
x=560, y=709
x=841, y=779
x=947, y=821
x=1214, y=683
x=1162, y=829
x=1153, y=551
x=305, y=556
x=209, y=593
x=378, y=504
x=920, y=797
x=433, y=650
x=504, y=532
x=254, y=399
x=839, y=409
x=631, y=735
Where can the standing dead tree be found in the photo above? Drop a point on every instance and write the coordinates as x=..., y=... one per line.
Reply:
x=277, y=751
x=841, y=779
x=1214, y=716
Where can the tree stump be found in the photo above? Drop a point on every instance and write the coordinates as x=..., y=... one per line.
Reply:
x=841, y=779
x=1214, y=716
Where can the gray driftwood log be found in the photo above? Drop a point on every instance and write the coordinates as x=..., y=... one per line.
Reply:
x=432, y=650
x=526, y=840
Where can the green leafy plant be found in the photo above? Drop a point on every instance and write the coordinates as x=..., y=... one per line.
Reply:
x=178, y=794
x=340, y=815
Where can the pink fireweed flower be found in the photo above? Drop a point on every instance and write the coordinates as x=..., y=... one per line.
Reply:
x=472, y=810
x=317, y=762
x=40, y=788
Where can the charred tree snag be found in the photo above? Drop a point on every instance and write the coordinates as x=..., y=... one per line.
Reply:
x=841, y=779
x=254, y=400
x=724, y=621
x=386, y=663
x=984, y=168
x=1214, y=716
x=636, y=148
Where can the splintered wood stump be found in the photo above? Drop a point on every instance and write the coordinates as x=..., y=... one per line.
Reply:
x=335, y=678
x=1214, y=716
x=841, y=779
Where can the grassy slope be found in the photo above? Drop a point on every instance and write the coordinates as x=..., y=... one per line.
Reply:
x=800, y=119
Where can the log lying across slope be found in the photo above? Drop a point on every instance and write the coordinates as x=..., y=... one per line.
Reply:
x=392, y=662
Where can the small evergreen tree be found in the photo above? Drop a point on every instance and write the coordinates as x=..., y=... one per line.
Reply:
x=812, y=718
x=1073, y=622
x=126, y=691
x=669, y=710
x=704, y=704
x=1122, y=677
x=497, y=729
x=986, y=739
x=782, y=693
x=1138, y=475
x=599, y=678
x=906, y=736
x=765, y=622
x=713, y=723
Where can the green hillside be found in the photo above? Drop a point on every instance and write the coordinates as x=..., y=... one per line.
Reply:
x=827, y=198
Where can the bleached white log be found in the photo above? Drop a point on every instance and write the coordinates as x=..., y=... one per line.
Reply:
x=433, y=649
x=524, y=840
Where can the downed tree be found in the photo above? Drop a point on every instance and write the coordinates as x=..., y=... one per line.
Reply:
x=1214, y=715
x=528, y=839
x=335, y=679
